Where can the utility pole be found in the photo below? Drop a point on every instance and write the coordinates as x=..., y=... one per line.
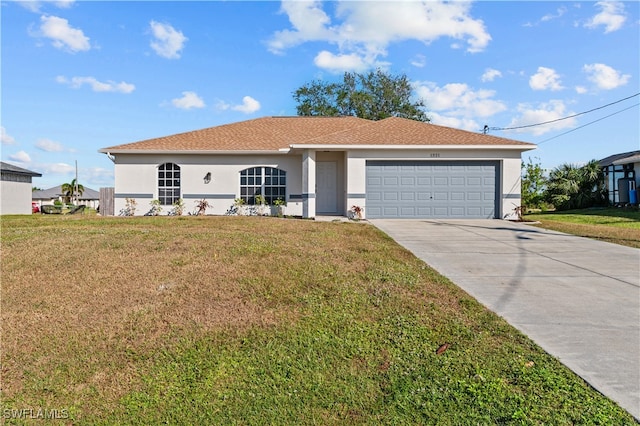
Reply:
x=75, y=186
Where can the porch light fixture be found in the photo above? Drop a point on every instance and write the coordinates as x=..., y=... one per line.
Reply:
x=207, y=177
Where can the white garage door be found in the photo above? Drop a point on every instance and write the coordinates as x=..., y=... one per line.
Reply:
x=432, y=189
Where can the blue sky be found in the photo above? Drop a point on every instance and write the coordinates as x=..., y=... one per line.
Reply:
x=78, y=76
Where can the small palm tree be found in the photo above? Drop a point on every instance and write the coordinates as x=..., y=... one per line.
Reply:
x=69, y=190
x=573, y=187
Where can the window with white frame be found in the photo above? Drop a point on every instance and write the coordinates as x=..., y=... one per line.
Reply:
x=168, y=183
x=269, y=182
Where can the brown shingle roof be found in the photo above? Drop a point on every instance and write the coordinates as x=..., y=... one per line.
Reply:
x=261, y=134
x=275, y=133
x=402, y=131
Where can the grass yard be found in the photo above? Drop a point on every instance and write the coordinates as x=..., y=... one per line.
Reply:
x=249, y=320
x=614, y=225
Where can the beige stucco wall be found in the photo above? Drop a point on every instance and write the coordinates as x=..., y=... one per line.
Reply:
x=15, y=197
x=136, y=176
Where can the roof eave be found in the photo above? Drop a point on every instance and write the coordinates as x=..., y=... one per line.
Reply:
x=329, y=147
x=192, y=151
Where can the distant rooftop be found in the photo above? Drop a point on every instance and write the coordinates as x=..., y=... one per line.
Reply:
x=56, y=191
x=623, y=158
x=6, y=167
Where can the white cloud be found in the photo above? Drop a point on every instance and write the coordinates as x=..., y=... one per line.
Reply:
x=168, y=42
x=6, y=138
x=545, y=79
x=366, y=29
x=419, y=61
x=98, y=176
x=309, y=24
x=612, y=16
x=544, y=112
x=20, y=157
x=49, y=146
x=339, y=63
x=97, y=86
x=454, y=122
x=490, y=74
x=188, y=100
x=457, y=104
x=35, y=6
x=581, y=90
x=605, y=77
x=221, y=105
x=55, y=168
x=62, y=35
x=559, y=12
x=249, y=105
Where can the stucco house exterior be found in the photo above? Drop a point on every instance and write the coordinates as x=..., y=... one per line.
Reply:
x=621, y=175
x=89, y=197
x=15, y=189
x=392, y=168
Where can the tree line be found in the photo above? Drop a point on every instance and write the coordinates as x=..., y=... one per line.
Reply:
x=566, y=187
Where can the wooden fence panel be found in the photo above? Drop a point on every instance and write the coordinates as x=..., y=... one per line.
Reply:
x=106, y=201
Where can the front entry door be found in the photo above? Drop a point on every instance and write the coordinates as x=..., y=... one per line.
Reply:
x=326, y=191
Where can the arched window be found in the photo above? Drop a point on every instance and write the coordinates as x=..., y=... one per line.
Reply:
x=266, y=181
x=168, y=183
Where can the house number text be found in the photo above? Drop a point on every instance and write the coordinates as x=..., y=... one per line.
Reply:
x=435, y=155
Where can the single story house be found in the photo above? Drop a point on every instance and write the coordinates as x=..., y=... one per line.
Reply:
x=15, y=189
x=621, y=175
x=391, y=168
x=89, y=197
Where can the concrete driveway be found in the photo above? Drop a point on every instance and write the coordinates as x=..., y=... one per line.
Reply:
x=577, y=298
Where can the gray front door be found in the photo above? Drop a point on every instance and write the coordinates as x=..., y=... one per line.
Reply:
x=432, y=189
x=326, y=187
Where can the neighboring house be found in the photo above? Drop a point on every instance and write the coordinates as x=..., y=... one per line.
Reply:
x=15, y=189
x=392, y=168
x=621, y=174
x=89, y=197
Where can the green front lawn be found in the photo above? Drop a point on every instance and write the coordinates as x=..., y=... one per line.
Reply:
x=615, y=225
x=250, y=320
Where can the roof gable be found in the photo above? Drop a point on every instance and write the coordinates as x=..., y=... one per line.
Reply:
x=281, y=133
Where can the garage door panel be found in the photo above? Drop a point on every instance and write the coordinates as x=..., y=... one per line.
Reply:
x=440, y=181
x=374, y=181
x=390, y=211
x=441, y=196
x=390, y=196
x=457, y=196
x=474, y=196
x=408, y=181
x=407, y=196
x=474, y=181
x=441, y=211
x=431, y=189
x=390, y=181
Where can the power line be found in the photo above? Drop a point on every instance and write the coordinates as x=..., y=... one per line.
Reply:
x=486, y=128
x=585, y=125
